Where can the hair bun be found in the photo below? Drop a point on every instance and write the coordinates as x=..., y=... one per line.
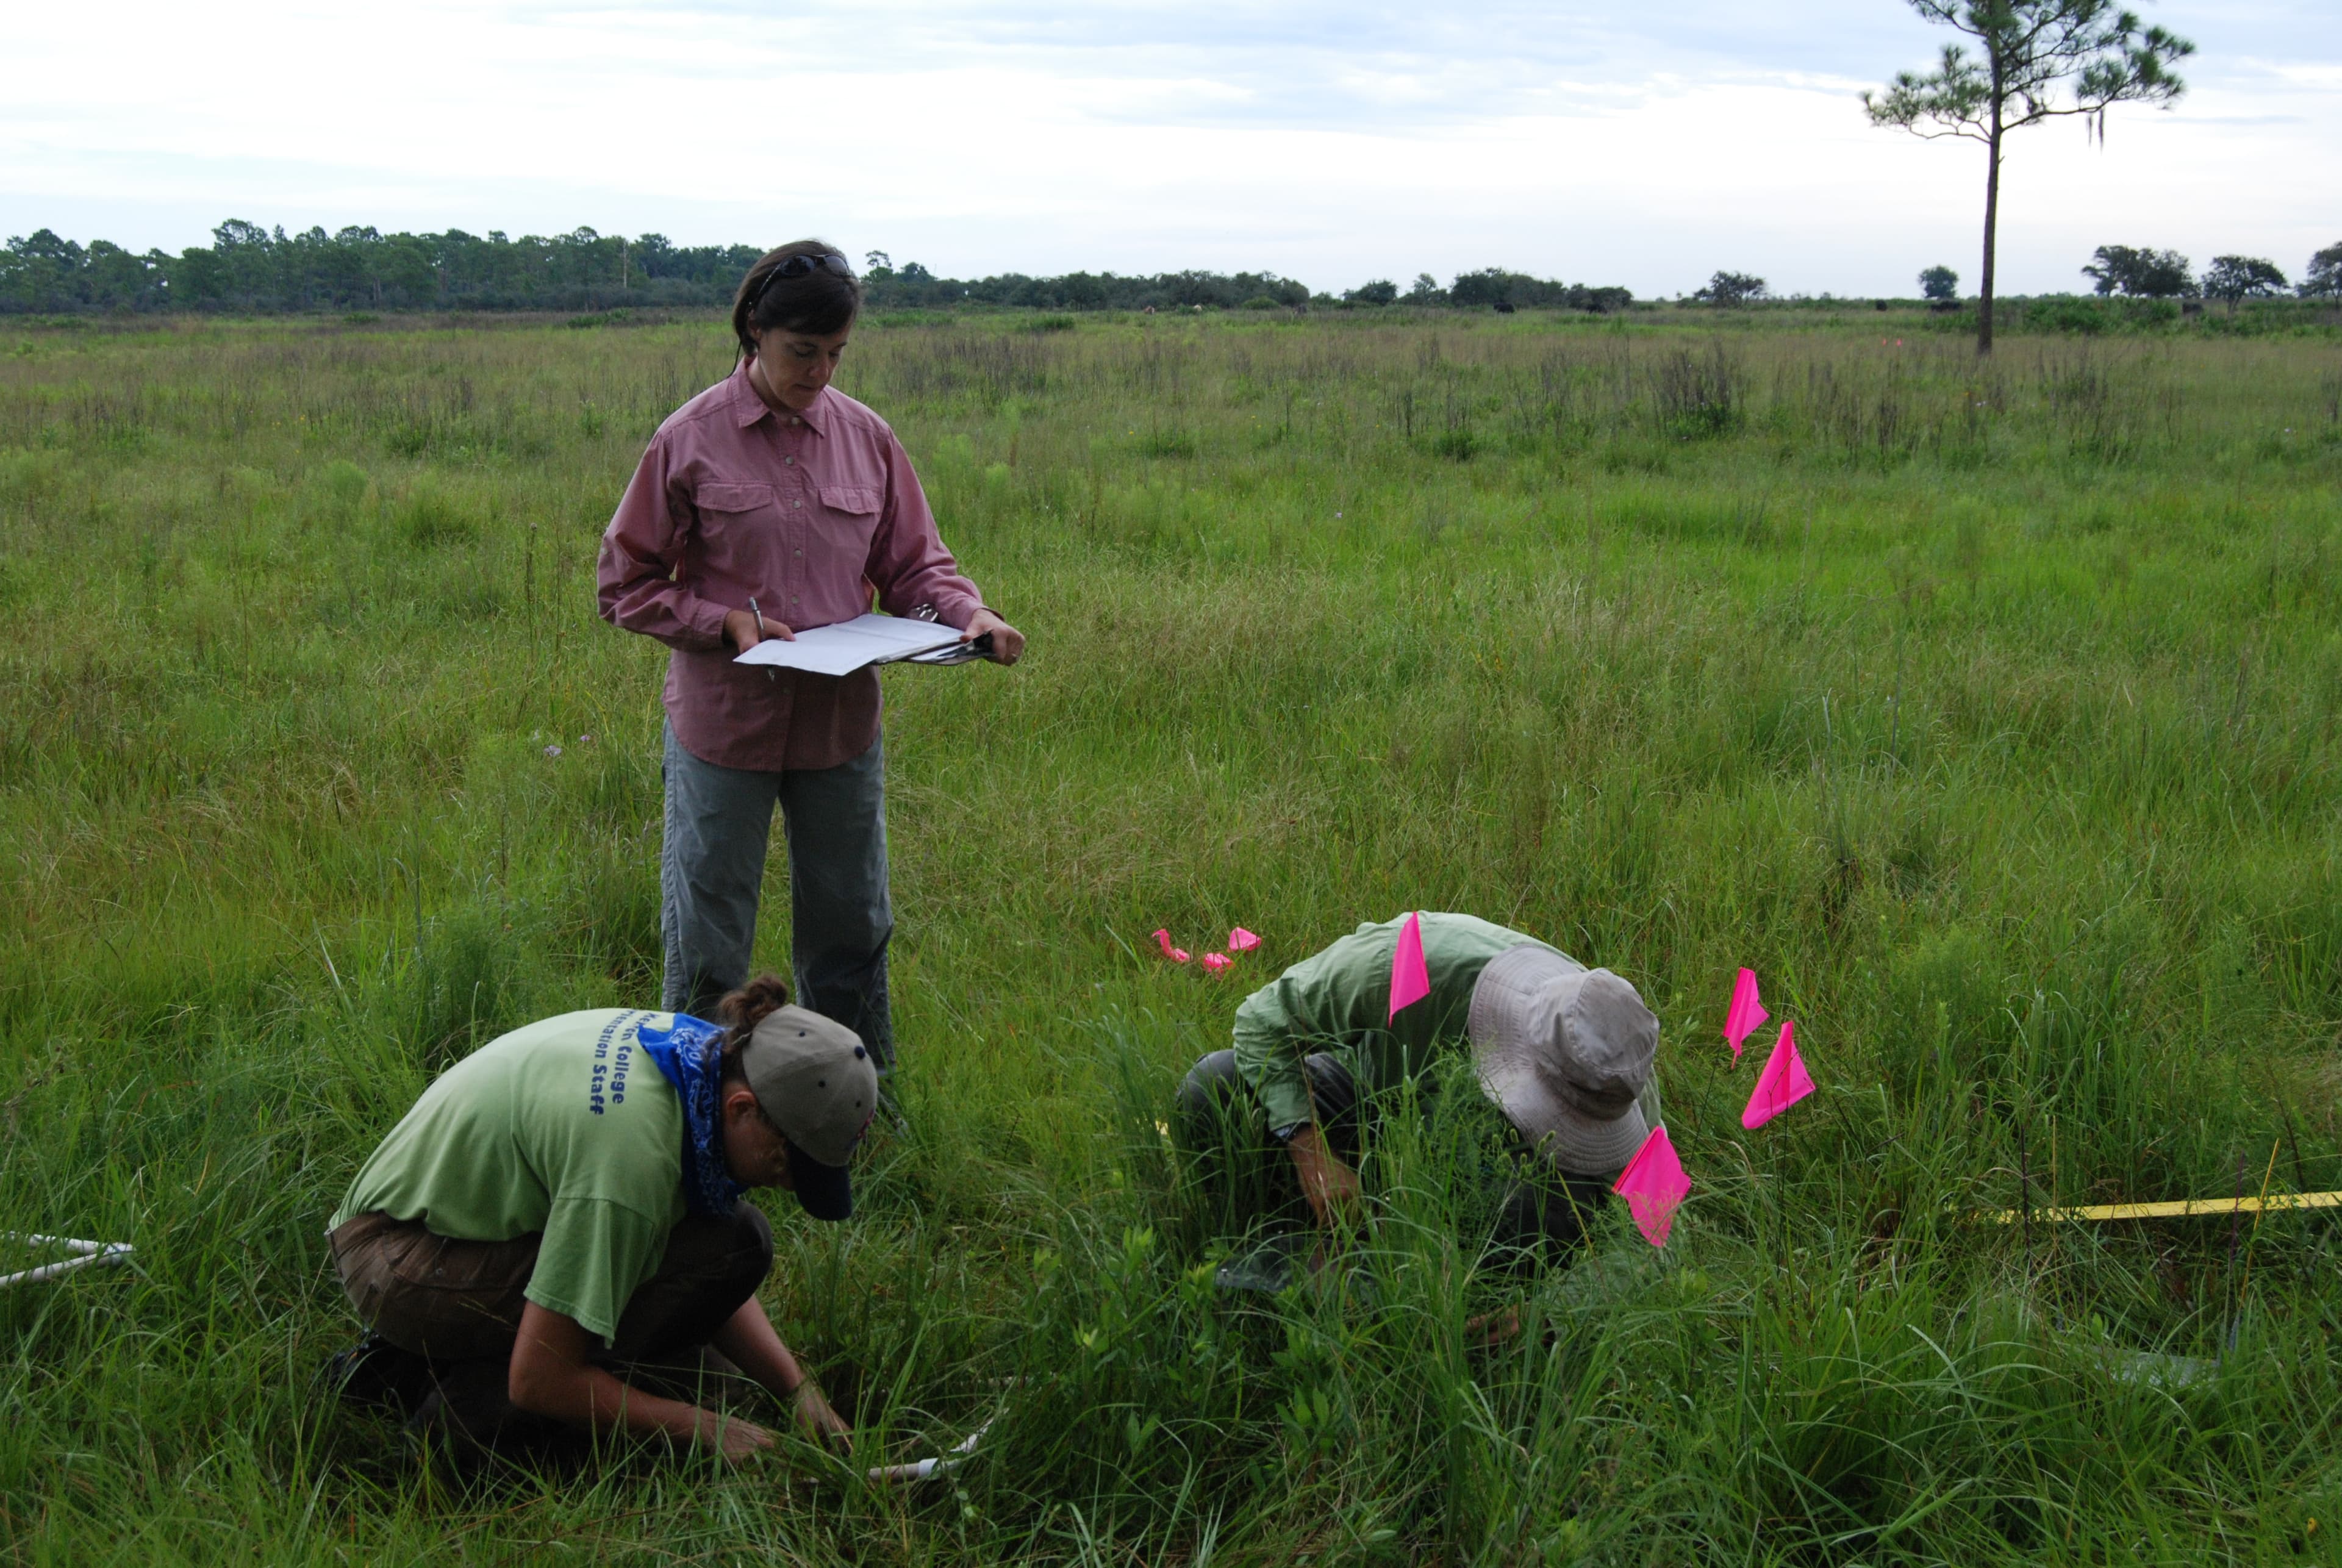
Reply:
x=746, y=1008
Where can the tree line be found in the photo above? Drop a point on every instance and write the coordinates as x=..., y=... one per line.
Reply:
x=248, y=268
x=2142, y=271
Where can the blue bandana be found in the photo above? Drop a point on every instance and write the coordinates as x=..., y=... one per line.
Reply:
x=691, y=1057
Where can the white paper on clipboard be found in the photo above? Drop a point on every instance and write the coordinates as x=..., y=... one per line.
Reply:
x=851, y=646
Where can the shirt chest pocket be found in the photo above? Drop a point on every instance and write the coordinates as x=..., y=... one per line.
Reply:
x=739, y=527
x=727, y=499
x=850, y=513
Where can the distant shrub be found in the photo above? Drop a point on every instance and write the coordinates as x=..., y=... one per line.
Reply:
x=1474, y=290
x=1261, y=302
x=1379, y=292
x=429, y=519
x=1730, y=288
x=2234, y=278
x=1049, y=324
x=2088, y=317
x=2323, y=279
x=1697, y=395
x=2141, y=272
x=344, y=483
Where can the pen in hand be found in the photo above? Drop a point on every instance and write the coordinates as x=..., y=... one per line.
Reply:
x=769, y=674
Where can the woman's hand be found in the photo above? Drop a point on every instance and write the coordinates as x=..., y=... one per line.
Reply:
x=747, y=1340
x=1007, y=642
x=821, y=1423
x=743, y=629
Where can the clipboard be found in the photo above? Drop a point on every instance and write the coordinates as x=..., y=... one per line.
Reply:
x=864, y=640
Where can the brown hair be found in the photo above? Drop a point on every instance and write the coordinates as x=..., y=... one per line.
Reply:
x=817, y=303
x=741, y=1011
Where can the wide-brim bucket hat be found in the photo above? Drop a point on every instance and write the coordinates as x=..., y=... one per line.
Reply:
x=1565, y=1051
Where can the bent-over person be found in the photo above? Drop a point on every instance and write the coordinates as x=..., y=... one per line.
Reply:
x=558, y=1229
x=1275, y=1126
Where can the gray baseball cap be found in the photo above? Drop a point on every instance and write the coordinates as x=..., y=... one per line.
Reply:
x=1565, y=1051
x=816, y=1081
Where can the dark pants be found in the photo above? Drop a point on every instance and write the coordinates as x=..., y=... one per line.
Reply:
x=719, y=821
x=1245, y=1175
x=457, y=1304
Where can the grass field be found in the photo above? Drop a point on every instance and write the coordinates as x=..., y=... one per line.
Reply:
x=1991, y=715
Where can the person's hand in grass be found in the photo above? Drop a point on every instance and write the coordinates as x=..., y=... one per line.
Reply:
x=737, y=1441
x=821, y=1423
x=1491, y=1329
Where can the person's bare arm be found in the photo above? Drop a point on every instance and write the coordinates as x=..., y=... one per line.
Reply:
x=1331, y=1186
x=551, y=1377
x=750, y=1343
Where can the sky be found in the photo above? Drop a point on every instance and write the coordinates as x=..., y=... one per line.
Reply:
x=1646, y=145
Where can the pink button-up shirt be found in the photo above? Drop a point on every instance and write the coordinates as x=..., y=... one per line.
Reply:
x=808, y=515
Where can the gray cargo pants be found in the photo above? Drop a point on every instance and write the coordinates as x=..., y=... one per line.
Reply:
x=712, y=871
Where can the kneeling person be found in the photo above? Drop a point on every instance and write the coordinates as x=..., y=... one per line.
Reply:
x=1563, y=1052
x=568, y=1200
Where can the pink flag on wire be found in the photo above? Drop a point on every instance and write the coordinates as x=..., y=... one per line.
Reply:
x=1215, y=962
x=1782, y=1084
x=1242, y=941
x=1410, y=979
x=1163, y=941
x=1745, y=1013
x=1655, y=1186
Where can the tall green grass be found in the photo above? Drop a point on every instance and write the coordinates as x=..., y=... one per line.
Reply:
x=1989, y=712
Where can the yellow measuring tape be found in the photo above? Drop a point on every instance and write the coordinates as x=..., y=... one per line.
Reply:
x=2180, y=1208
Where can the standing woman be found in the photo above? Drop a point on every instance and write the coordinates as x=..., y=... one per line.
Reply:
x=773, y=487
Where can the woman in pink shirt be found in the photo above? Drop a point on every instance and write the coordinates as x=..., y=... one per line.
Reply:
x=775, y=487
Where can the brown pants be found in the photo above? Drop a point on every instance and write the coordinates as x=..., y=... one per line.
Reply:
x=459, y=1304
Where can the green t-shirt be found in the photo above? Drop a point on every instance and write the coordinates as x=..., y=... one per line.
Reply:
x=1337, y=1000
x=566, y=1127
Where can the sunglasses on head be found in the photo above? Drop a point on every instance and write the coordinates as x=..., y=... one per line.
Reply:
x=799, y=265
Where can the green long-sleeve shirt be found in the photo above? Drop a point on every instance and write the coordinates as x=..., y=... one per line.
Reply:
x=1337, y=1000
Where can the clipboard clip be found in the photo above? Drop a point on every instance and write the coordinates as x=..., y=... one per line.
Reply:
x=958, y=652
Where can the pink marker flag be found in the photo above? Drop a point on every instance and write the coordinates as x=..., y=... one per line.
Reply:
x=1655, y=1186
x=1242, y=941
x=1741, y=1019
x=1782, y=1084
x=1410, y=979
x=1215, y=962
x=1163, y=941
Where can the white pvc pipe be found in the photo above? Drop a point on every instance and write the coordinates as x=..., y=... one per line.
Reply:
x=940, y=1465
x=33, y=1239
x=101, y=1253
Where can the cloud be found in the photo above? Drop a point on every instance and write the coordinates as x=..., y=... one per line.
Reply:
x=1646, y=145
